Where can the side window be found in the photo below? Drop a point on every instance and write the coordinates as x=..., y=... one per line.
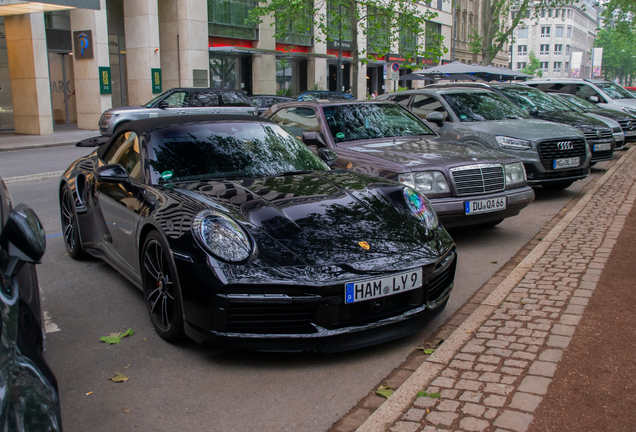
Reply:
x=234, y=99
x=402, y=99
x=175, y=100
x=299, y=120
x=125, y=152
x=200, y=99
x=585, y=91
x=424, y=105
x=279, y=117
x=257, y=102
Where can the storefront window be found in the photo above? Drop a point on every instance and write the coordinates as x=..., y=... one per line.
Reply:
x=228, y=18
x=224, y=72
x=408, y=41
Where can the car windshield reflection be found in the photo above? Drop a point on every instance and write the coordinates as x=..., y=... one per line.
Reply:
x=474, y=107
x=228, y=150
x=369, y=121
x=533, y=100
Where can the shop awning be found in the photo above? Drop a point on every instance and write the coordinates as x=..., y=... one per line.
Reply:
x=19, y=7
x=247, y=50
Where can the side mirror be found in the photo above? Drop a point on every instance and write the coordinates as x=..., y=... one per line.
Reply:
x=328, y=156
x=314, y=139
x=93, y=142
x=594, y=99
x=23, y=238
x=436, y=118
x=163, y=104
x=112, y=174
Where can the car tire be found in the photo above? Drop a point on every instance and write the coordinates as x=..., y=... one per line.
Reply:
x=161, y=289
x=557, y=186
x=70, y=228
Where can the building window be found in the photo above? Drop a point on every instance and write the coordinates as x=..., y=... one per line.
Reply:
x=378, y=25
x=522, y=50
x=432, y=32
x=299, y=32
x=335, y=28
x=522, y=33
x=227, y=18
x=549, y=13
x=569, y=32
x=557, y=67
x=567, y=66
x=408, y=41
x=545, y=31
x=567, y=50
x=521, y=65
x=542, y=13
x=558, y=49
x=559, y=32
x=544, y=66
x=545, y=49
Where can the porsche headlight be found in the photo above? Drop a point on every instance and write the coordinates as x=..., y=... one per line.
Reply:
x=515, y=174
x=421, y=207
x=221, y=236
x=429, y=183
x=513, y=143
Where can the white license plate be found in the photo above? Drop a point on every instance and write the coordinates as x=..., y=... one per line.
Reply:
x=566, y=163
x=485, y=205
x=630, y=133
x=601, y=147
x=382, y=287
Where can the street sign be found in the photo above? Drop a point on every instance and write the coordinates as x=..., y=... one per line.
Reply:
x=156, y=80
x=105, y=86
x=395, y=67
x=395, y=76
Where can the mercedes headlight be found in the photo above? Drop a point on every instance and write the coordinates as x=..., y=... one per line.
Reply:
x=515, y=174
x=421, y=207
x=221, y=236
x=429, y=183
x=513, y=143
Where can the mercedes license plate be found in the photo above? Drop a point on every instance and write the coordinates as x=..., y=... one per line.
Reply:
x=601, y=147
x=381, y=287
x=630, y=133
x=485, y=205
x=566, y=163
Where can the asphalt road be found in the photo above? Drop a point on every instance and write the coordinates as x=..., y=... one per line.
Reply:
x=189, y=387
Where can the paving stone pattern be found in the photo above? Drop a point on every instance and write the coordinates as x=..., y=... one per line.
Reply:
x=499, y=377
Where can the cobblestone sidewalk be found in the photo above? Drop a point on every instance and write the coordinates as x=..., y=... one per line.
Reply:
x=493, y=372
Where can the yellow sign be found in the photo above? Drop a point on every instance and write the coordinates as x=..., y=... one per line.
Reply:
x=364, y=245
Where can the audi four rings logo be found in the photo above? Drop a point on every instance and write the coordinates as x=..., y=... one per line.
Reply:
x=565, y=145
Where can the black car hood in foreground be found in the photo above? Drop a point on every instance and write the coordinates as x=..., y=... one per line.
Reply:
x=416, y=152
x=319, y=219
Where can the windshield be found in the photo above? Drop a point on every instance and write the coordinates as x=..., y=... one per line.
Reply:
x=155, y=99
x=482, y=106
x=354, y=122
x=227, y=150
x=533, y=100
x=614, y=91
x=578, y=102
x=325, y=95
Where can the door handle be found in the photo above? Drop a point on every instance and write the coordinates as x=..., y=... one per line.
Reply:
x=182, y=112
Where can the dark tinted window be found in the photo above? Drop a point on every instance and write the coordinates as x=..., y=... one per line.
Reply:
x=227, y=150
x=257, y=102
x=482, y=106
x=234, y=99
x=614, y=91
x=401, y=99
x=125, y=152
x=203, y=99
x=367, y=121
x=532, y=100
x=175, y=100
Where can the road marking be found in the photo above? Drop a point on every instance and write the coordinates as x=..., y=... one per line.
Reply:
x=53, y=236
x=30, y=177
x=49, y=326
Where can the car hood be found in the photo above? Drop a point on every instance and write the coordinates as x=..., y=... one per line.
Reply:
x=529, y=129
x=120, y=110
x=608, y=121
x=578, y=120
x=416, y=153
x=320, y=218
x=613, y=114
x=627, y=103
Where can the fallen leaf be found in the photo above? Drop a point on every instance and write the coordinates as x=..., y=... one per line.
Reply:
x=126, y=367
x=126, y=410
x=128, y=332
x=119, y=377
x=114, y=334
x=384, y=391
x=429, y=351
x=110, y=339
x=493, y=262
x=143, y=339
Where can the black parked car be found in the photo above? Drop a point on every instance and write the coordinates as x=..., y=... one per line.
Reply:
x=545, y=107
x=29, y=398
x=237, y=233
x=467, y=185
x=262, y=102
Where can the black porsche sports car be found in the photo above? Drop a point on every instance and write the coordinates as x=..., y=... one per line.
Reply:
x=238, y=233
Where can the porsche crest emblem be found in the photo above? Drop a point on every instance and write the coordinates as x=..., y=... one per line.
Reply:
x=364, y=245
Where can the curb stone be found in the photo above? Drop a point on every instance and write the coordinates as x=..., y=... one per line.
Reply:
x=391, y=410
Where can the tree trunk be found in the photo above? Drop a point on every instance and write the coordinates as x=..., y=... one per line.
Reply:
x=355, y=63
x=486, y=31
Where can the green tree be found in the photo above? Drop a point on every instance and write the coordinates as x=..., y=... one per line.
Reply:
x=534, y=66
x=619, y=53
x=496, y=14
x=385, y=23
x=622, y=13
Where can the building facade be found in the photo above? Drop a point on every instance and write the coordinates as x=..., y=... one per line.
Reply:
x=559, y=38
x=71, y=60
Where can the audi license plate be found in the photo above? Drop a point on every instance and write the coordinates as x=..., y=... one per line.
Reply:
x=382, y=287
x=601, y=147
x=566, y=163
x=485, y=206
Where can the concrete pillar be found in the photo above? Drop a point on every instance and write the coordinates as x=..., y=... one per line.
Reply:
x=317, y=66
x=185, y=21
x=141, y=24
x=264, y=65
x=29, y=71
x=362, y=67
x=90, y=103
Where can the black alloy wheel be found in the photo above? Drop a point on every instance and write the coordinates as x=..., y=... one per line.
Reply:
x=70, y=229
x=161, y=289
